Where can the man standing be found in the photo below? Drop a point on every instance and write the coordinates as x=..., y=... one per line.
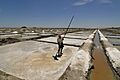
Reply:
x=60, y=42
x=60, y=47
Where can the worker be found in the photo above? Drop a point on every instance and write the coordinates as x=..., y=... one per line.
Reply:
x=60, y=47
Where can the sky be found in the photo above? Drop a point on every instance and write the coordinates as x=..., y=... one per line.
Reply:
x=57, y=13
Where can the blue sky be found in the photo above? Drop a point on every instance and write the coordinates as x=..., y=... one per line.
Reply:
x=57, y=13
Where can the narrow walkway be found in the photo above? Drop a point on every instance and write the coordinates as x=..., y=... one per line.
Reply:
x=102, y=70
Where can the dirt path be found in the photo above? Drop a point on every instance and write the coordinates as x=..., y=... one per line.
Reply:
x=102, y=70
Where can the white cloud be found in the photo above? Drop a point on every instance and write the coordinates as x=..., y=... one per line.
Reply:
x=82, y=2
x=79, y=3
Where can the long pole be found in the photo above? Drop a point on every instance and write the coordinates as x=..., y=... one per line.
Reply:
x=69, y=25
